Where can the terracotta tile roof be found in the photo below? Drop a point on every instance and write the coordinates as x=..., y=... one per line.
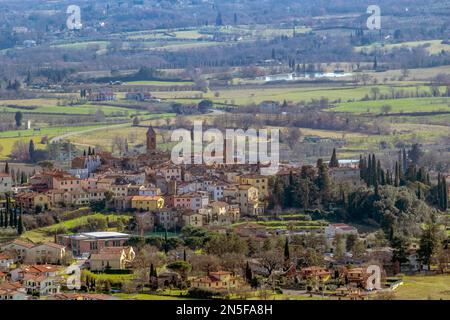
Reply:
x=10, y=285
x=52, y=244
x=146, y=198
x=23, y=243
x=40, y=268
x=5, y=257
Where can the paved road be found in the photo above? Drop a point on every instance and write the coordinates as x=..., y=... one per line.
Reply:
x=121, y=125
x=67, y=135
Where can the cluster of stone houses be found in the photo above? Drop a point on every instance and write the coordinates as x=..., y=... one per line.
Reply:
x=28, y=269
x=173, y=196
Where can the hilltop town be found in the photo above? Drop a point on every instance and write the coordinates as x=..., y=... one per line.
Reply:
x=123, y=227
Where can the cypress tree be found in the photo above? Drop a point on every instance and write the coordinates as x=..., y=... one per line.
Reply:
x=334, y=162
x=1, y=219
x=31, y=150
x=374, y=175
x=15, y=217
x=248, y=273
x=20, y=228
x=6, y=167
x=166, y=247
x=286, y=249
x=5, y=220
x=23, y=178
x=362, y=167
x=152, y=272
x=369, y=171
x=439, y=191
x=323, y=182
x=379, y=170
x=11, y=218
x=405, y=159
x=397, y=175
x=444, y=193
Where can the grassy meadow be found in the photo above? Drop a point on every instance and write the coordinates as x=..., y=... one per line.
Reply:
x=396, y=105
x=424, y=288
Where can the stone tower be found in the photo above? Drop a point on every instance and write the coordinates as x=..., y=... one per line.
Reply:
x=151, y=139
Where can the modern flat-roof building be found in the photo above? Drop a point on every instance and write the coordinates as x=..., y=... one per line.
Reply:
x=92, y=242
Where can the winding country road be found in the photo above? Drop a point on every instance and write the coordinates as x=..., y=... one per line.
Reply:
x=69, y=134
x=121, y=125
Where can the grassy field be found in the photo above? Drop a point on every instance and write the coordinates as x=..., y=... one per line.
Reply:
x=114, y=279
x=145, y=296
x=83, y=45
x=45, y=233
x=396, y=105
x=424, y=287
x=51, y=106
x=8, y=138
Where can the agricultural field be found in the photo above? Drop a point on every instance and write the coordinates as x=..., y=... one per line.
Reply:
x=296, y=93
x=409, y=105
x=8, y=138
x=104, y=137
x=56, y=106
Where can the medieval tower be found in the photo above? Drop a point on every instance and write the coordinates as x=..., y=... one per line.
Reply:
x=151, y=139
